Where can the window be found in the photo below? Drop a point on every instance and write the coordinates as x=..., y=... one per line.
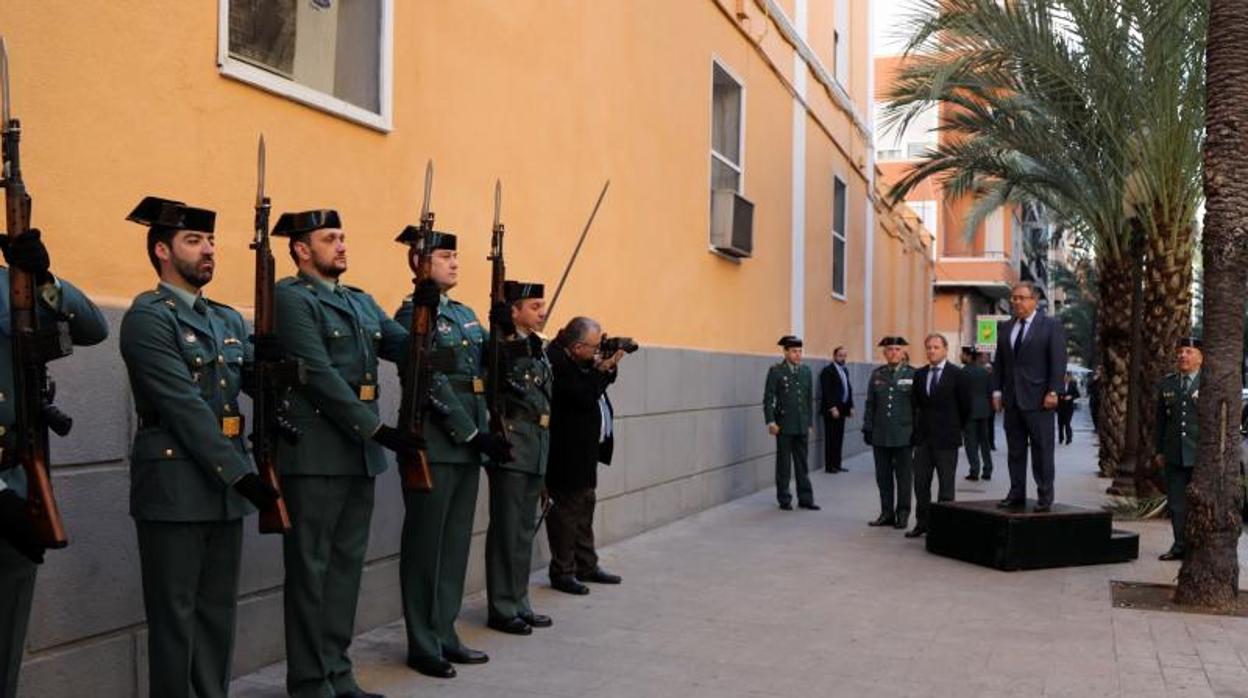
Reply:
x=840, y=43
x=920, y=136
x=839, y=216
x=726, y=130
x=334, y=55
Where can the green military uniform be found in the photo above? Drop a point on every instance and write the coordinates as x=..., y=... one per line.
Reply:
x=340, y=334
x=787, y=403
x=1178, y=438
x=977, y=434
x=437, y=527
x=17, y=573
x=186, y=356
x=516, y=486
x=888, y=421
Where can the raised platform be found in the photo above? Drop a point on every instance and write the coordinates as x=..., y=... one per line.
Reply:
x=1021, y=539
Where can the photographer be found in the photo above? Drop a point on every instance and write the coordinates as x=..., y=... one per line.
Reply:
x=580, y=438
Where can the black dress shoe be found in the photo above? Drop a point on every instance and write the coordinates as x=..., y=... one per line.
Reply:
x=916, y=532
x=599, y=576
x=812, y=506
x=1170, y=555
x=536, y=620
x=511, y=626
x=899, y=524
x=1010, y=503
x=464, y=655
x=357, y=693
x=882, y=521
x=1041, y=508
x=972, y=477
x=568, y=585
x=785, y=506
x=986, y=477
x=436, y=667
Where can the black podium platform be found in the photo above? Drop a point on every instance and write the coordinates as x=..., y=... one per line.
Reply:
x=1021, y=539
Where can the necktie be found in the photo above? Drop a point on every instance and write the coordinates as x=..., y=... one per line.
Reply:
x=1018, y=340
x=1187, y=383
x=200, y=306
x=933, y=381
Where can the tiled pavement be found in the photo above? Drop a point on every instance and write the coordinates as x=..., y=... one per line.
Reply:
x=747, y=600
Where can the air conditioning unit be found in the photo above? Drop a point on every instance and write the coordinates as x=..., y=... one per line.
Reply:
x=732, y=223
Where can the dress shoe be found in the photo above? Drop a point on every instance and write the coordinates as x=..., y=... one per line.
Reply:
x=357, y=693
x=986, y=477
x=536, y=620
x=1041, y=508
x=916, y=532
x=511, y=626
x=785, y=506
x=1010, y=503
x=436, y=667
x=972, y=477
x=900, y=524
x=599, y=576
x=812, y=506
x=882, y=521
x=464, y=655
x=1171, y=555
x=568, y=585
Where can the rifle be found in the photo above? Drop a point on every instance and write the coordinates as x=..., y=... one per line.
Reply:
x=494, y=355
x=33, y=346
x=271, y=379
x=414, y=467
x=550, y=309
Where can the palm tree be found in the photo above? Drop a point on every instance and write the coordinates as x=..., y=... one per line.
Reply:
x=1210, y=572
x=1056, y=102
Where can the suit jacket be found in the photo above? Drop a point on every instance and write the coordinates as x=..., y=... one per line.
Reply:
x=831, y=389
x=1038, y=369
x=1066, y=399
x=980, y=385
x=575, y=422
x=942, y=412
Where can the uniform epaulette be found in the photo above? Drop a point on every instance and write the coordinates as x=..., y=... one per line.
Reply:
x=1172, y=374
x=155, y=297
x=354, y=288
x=219, y=304
x=289, y=281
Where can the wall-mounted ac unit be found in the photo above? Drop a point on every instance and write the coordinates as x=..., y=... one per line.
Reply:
x=732, y=223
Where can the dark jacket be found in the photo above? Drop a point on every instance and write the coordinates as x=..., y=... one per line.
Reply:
x=1066, y=399
x=830, y=390
x=941, y=414
x=575, y=422
x=980, y=386
x=1038, y=369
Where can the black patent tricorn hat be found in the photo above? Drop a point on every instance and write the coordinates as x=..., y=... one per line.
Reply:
x=156, y=212
x=292, y=224
x=894, y=342
x=788, y=341
x=437, y=240
x=1193, y=342
x=522, y=290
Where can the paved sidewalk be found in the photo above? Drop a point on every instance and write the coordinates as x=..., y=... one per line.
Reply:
x=747, y=600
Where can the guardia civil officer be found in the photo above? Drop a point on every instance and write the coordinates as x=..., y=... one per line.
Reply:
x=340, y=334
x=191, y=480
x=515, y=486
x=887, y=426
x=20, y=548
x=787, y=398
x=437, y=526
x=1178, y=434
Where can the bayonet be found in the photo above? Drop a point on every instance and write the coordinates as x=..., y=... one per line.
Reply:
x=425, y=215
x=4, y=78
x=498, y=201
x=260, y=173
x=550, y=310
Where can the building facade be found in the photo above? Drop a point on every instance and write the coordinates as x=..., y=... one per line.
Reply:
x=744, y=204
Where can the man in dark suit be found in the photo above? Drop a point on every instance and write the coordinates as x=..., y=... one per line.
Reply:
x=978, y=432
x=836, y=404
x=941, y=404
x=581, y=437
x=1066, y=409
x=1026, y=378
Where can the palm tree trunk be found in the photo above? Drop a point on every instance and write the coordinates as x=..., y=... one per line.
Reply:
x=1210, y=572
x=1115, y=341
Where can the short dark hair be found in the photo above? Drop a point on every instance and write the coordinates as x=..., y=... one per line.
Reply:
x=155, y=234
x=297, y=237
x=578, y=328
x=936, y=335
x=839, y=347
x=1029, y=285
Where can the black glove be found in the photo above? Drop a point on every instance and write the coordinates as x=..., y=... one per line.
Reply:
x=269, y=348
x=866, y=438
x=500, y=317
x=535, y=346
x=397, y=441
x=496, y=448
x=260, y=493
x=427, y=294
x=15, y=527
x=26, y=252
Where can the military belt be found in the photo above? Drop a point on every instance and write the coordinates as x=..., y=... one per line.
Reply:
x=541, y=419
x=472, y=386
x=231, y=425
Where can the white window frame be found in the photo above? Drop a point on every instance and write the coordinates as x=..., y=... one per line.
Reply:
x=244, y=72
x=740, y=169
x=843, y=236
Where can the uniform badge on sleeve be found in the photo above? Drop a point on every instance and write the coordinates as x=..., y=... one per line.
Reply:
x=191, y=338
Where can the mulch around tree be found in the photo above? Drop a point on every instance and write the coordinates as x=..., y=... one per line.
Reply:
x=1142, y=596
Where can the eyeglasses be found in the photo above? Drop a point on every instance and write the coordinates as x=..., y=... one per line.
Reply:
x=1020, y=298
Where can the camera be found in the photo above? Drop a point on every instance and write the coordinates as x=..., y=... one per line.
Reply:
x=610, y=345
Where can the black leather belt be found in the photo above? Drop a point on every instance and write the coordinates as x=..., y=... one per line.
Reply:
x=472, y=386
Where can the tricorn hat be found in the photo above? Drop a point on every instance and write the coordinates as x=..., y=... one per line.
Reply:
x=969, y=349
x=292, y=224
x=156, y=212
x=437, y=239
x=788, y=341
x=522, y=290
x=894, y=342
x=1193, y=342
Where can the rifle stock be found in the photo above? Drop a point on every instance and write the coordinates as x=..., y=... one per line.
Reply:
x=414, y=471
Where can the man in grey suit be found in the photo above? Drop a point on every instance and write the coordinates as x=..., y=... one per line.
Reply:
x=978, y=434
x=1027, y=375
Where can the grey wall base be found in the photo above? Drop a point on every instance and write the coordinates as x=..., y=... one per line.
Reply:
x=689, y=436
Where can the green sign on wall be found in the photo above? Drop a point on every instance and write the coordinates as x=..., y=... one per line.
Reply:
x=986, y=331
